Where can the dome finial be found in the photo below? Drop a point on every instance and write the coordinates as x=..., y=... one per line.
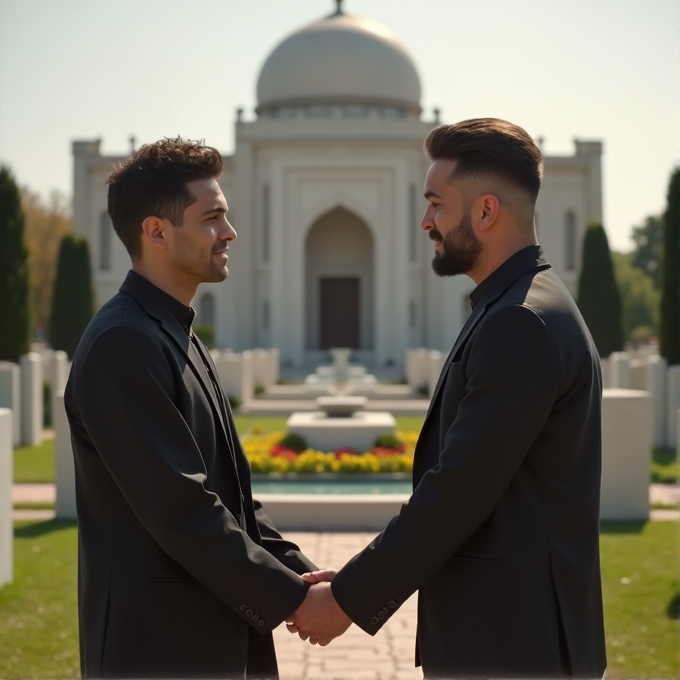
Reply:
x=338, y=8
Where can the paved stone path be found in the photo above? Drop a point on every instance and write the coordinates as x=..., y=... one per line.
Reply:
x=389, y=655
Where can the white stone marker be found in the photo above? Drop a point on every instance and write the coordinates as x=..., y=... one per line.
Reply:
x=235, y=372
x=626, y=452
x=265, y=367
x=31, y=399
x=619, y=365
x=10, y=396
x=64, y=470
x=672, y=404
x=606, y=368
x=6, y=477
x=638, y=375
x=656, y=367
x=436, y=361
x=274, y=365
x=58, y=370
x=417, y=368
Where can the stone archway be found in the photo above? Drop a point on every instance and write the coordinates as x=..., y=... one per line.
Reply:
x=339, y=285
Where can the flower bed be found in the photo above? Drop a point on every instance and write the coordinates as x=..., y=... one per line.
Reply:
x=266, y=456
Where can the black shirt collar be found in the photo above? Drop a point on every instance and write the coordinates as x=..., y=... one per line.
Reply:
x=501, y=279
x=160, y=299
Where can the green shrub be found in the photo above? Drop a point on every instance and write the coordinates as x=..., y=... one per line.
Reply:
x=294, y=442
x=387, y=441
x=259, y=390
x=234, y=401
x=423, y=391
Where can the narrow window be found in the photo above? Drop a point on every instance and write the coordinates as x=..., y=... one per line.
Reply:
x=412, y=314
x=206, y=310
x=412, y=223
x=570, y=242
x=265, y=315
x=105, y=229
x=265, y=223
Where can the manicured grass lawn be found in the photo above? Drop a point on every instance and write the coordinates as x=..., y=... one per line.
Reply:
x=38, y=616
x=665, y=466
x=641, y=598
x=33, y=464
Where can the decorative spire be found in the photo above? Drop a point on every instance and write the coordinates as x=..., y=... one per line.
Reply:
x=338, y=8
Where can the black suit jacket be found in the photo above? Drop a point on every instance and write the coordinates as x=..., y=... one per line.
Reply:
x=169, y=583
x=500, y=536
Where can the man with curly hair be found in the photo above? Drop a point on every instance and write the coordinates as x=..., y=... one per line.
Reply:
x=181, y=573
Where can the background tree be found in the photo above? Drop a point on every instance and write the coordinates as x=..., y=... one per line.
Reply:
x=73, y=300
x=15, y=327
x=669, y=337
x=47, y=222
x=648, y=248
x=639, y=298
x=598, y=295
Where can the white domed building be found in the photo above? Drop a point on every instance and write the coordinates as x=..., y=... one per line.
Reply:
x=325, y=192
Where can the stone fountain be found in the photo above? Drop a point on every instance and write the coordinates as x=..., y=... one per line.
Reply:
x=341, y=421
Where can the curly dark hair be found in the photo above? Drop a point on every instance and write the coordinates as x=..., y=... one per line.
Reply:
x=489, y=148
x=153, y=182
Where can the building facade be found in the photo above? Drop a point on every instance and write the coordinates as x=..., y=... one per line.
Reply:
x=325, y=192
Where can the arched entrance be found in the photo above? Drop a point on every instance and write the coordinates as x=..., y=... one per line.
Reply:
x=339, y=282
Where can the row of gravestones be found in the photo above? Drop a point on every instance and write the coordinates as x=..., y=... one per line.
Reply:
x=243, y=374
x=620, y=371
x=627, y=417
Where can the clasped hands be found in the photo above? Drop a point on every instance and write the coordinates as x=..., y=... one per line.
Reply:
x=319, y=618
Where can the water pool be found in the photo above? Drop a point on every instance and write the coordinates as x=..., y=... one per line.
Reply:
x=328, y=487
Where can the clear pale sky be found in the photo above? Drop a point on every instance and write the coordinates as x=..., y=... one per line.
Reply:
x=592, y=69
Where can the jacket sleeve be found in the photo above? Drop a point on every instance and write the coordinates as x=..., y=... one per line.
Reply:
x=512, y=379
x=125, y=400
x=285, y=551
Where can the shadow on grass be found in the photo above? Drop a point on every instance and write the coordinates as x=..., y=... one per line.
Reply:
x=673, y=608
x=633, y=526
x=41, y=528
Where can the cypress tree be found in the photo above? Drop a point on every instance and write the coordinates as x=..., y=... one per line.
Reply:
x=669, y=337
x=598, y=296
x=73, y=300
x=15, y=328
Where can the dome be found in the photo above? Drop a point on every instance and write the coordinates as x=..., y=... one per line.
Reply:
x=339, y=60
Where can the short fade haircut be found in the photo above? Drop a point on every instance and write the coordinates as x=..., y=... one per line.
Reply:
x=489, y=148
x=153, y=182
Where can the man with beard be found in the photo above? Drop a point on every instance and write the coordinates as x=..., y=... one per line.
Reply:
x=181, y=574
x=500, y=536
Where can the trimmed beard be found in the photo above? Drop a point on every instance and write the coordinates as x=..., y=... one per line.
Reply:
x=460, y=249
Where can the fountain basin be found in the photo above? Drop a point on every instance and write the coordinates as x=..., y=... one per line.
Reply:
x=357, y=432
x=341, y=406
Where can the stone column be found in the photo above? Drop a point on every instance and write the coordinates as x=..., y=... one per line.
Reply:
x=672, y=404
x=626, y=452
x=6, y=477
x=656, y=386
x=31, y=399
x=10, y=396
x=64, y=470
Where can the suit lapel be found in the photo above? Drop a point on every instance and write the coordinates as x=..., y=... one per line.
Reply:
x=470, y=324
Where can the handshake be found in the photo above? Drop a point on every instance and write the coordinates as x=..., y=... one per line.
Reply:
x=319, y=618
